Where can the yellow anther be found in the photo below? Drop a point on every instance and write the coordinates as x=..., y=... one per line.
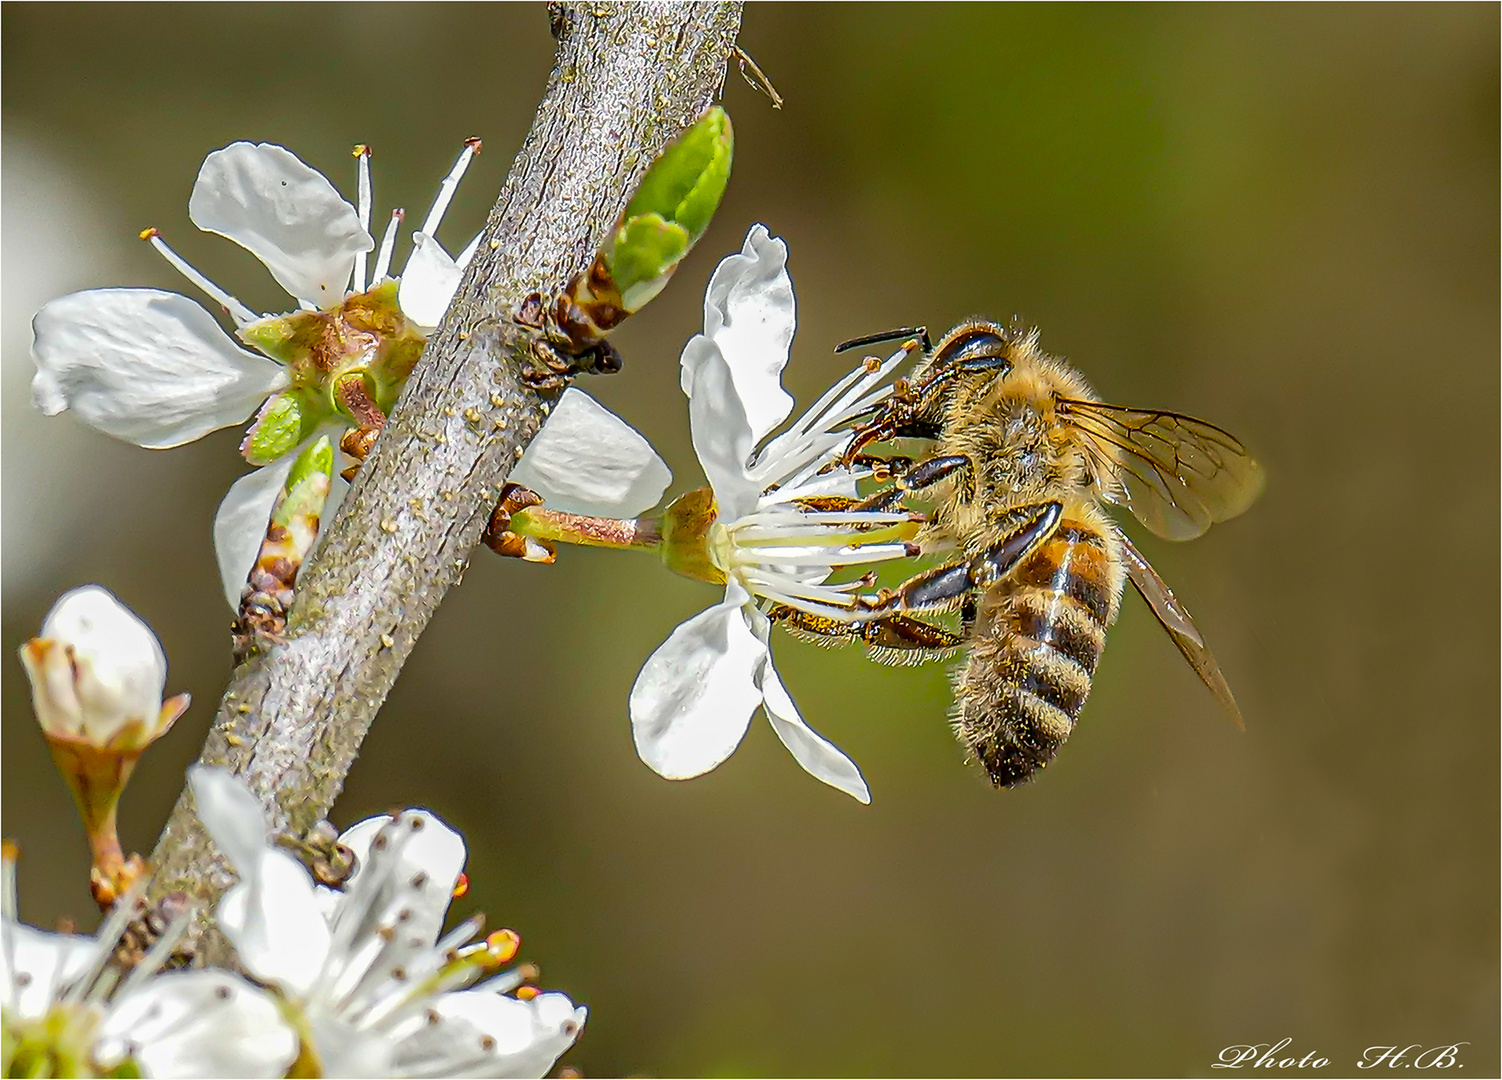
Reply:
x=360, y=150
x=526, y=993
x=462, y=885
x=502, y=945
x=147, y=234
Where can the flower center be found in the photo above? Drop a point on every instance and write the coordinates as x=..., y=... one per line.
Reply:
x=56, y=1044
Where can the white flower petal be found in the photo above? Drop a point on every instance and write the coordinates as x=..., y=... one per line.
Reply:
x=587, y=460
x=428, y=282
x=231, y=815
x=695, y=695
x=276, y=923
x=285, y=214
x=523, y=1038
x=347, y=1050
x=198, y=1023
x=411, y=870
x=240, y=522
x=818, y=756
x=36, y=966
x=722, y=437
x=272, y=915
x=143, y=365
x=749, y=315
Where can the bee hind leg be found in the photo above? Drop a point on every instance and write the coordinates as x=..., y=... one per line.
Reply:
x=890, y=639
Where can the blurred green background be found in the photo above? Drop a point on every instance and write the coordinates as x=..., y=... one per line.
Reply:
x=1283, y=219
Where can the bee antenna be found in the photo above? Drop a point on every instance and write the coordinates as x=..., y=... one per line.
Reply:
x=902, y=332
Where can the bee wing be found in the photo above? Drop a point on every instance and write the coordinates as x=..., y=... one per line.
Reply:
x=1178, y=475
x=1180, y=626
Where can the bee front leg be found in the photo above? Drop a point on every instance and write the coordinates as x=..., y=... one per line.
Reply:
x=947, y=587
x=915, y=478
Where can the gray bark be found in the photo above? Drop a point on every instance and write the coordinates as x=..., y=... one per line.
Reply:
x=628, y=78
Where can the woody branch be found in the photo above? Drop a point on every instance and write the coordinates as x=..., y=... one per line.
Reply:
x=627, y=78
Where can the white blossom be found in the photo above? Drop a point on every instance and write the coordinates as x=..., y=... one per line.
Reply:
x=377, y=990
x=66, y=1011
x=156, y=369
x=98, y=673
x=693, y=701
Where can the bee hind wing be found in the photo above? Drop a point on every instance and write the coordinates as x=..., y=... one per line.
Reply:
x=1175, y=619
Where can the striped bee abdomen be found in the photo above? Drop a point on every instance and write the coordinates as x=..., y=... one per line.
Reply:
x=1037, y=638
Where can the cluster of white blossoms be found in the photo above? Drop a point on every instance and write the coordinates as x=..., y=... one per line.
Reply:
x=372, y=984
x=154, y=368
x=357, y=980
x=68, y=1012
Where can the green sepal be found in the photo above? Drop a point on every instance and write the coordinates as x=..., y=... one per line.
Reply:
x=283, y=422
x=685, y=526
x=277, y=336
x=308, y=482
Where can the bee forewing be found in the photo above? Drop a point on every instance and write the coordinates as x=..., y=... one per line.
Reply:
x=1180, y=626
x=1178, y=475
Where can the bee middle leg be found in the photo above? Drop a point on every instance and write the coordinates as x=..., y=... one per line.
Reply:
x=947, y=587
x=891, y=639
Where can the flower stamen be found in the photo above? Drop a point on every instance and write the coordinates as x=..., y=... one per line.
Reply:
x=362, y=206
x=449, y=186
x=237, y=311
x=388, y=244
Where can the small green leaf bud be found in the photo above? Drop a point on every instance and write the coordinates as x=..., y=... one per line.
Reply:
x=282, y=423
x=670, y=210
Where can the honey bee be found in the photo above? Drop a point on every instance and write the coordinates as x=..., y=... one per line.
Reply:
x=1024, y=457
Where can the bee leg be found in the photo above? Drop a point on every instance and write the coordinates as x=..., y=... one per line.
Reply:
x=946, y=587
x=884, y=468
x=914, y=478
x=893, y=639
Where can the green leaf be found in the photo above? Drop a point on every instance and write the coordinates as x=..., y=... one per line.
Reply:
x=307, y=486
x=685, y=183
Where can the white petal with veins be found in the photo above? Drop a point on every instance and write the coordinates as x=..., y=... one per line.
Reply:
x=587, y=460
x=694, y=697
x=749, y=317
x=286, y=214
x=151, y=367
x=722, y=437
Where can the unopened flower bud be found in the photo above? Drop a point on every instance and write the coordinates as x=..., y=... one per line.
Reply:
x=97, y=675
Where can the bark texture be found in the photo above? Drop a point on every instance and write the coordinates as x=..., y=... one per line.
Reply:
x=628, y=78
